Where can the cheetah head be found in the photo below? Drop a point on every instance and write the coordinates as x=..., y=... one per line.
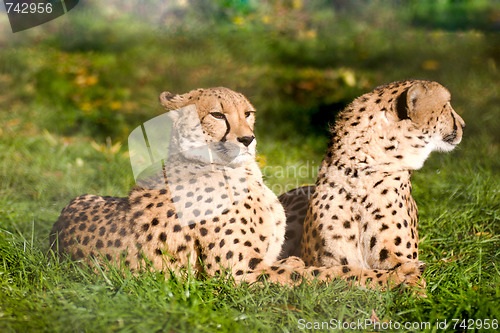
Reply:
x=225, y=122
x=419, y=121
x=396, y=126
x=429, y=108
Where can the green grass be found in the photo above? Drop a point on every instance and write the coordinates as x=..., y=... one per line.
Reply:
x=73, y=83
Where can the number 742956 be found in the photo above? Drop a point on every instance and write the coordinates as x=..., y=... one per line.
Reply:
x=28, y=8
x=472, y=324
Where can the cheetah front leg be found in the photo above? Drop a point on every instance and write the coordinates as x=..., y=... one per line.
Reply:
x=292, y=271
x=247, y=264
x=389, y=239
x=346, y=236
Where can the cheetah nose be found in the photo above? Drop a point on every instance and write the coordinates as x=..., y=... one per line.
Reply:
x=246, y=140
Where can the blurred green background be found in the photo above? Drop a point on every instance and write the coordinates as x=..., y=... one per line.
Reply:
x=98, y=70
x=72, y=90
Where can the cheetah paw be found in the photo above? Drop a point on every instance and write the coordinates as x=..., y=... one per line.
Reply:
x=410, y=274
x=292, y=262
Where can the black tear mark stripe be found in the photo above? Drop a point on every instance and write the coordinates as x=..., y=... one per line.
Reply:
x=450, y=137
x=228, y=127
x=455, y=127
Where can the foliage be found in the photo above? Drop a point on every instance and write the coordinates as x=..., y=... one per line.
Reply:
x=74, y=88
x=457, y=15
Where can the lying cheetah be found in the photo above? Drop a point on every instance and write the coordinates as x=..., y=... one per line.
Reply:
x=361, y=211
x=211, y=210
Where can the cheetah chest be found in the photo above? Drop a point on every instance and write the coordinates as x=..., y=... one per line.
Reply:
x=209, y=217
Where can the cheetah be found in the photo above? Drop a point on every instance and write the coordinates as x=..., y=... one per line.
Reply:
x=361, y=211
x=295, y=203
x=208, y=212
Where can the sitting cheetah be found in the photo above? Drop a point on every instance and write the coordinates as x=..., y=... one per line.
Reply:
x=361, y=211
x=211, y=210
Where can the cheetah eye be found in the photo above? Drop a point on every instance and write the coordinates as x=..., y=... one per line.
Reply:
x=248, y=113
x=217, y=115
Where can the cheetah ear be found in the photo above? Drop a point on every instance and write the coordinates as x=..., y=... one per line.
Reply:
x=172, y=101
x=406, y=102
x=413, y=95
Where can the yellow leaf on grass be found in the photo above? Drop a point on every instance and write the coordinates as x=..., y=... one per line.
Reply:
x=49, y=137
x=84, y=80
x=374, y=317
x=348, y=77
x=115, y=105
x=238, y=20
x=86, y=106
x=430, y=65
x=107, y=148
x=115, y=148
x=289, y=307
x=261, y=160
x=297, y=4
x=13, y=122
x=92, y=80
x=97, y=146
